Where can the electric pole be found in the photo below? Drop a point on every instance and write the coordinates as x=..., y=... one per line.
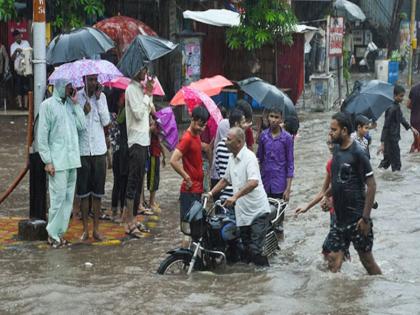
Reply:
x=40, y=67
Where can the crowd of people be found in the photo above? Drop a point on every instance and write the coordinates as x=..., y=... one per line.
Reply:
x=72, y=138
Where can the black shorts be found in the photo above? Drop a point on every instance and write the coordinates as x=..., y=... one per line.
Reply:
x=185, y=202
x=153, y=173
x=91, y=176
x=21, y=84
x=340, y=237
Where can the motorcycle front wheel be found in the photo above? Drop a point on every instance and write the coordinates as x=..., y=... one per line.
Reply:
x=175, y=264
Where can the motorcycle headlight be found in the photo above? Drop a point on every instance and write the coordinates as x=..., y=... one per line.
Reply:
x=185, y=227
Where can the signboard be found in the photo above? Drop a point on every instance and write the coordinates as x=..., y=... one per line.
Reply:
x=21, y=26
x=39, y=10
x=336, y=29
x=191, y=60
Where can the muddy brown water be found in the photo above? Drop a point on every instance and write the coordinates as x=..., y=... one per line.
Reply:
x=123, y=279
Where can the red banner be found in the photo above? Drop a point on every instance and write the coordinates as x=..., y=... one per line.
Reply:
x=21, y=26
x=336, y=30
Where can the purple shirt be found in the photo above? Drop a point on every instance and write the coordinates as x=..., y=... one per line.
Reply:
x=276, y=160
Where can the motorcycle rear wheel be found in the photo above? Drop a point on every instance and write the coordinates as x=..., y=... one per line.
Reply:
x=175, y=265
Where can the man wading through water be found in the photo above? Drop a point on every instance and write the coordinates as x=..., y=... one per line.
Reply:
x=350, y=173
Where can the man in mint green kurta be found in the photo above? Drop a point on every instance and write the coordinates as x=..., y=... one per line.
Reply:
x=60, y=119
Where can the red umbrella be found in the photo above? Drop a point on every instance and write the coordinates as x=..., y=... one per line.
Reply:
x=123, y=82
x=210, y=86
x=122, y=30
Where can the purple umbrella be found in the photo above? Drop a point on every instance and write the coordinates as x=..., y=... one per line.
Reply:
x=75, y=71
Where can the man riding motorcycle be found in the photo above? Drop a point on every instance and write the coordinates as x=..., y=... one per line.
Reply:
x=252, y=208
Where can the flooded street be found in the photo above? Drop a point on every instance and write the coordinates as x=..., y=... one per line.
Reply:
x=123, y=279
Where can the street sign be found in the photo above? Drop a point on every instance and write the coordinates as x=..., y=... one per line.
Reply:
x=39, y=10
x=336, y=28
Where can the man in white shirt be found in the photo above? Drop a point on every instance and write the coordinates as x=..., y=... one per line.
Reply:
x=138, y=107
x=251, y=204
x=21, y=82
x=91, y=176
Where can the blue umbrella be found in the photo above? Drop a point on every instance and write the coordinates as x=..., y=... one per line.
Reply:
x=141, y=51
x=371, y=99
x=81, y=43
x=270, y=97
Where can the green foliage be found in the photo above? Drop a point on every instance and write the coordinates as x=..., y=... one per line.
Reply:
x=263, y=22
x=7, y=10
x=346, y=65
x=73, y=13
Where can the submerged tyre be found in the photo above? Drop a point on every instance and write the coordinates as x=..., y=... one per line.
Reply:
x=175, y=264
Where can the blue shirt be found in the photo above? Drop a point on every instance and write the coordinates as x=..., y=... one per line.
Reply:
x=276, y=160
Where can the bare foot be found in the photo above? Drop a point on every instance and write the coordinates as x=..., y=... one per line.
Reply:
x=85, y=236
x=98, y=236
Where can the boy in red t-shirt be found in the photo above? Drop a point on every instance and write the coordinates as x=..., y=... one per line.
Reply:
x=188, y=151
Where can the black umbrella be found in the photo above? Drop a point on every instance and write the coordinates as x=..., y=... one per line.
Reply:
x=269, y=96
x=142, y=50
x=81, y=43
x=371, y=99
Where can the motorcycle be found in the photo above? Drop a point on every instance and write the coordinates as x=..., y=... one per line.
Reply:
x=215, y=238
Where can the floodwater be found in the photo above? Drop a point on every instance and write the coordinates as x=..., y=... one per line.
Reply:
x=123, y=279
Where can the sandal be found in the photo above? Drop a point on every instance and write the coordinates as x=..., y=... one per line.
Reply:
x=65, y=242
x=134, y=232
x=146, y=212
x=142, y=228
x=53, y=242
x=156, y=208
x=117, y=219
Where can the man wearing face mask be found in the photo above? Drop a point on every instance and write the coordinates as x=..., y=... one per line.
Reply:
x=60, y=119
x=91, y=176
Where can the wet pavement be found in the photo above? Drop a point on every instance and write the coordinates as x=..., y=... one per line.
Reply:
x=123, y=279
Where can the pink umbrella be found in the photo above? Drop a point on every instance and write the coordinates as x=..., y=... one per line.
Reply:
x=123, y=82
x=75, y=71
x=193, y=98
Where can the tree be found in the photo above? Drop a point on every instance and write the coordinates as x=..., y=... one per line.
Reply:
x=70, y=14
x=397, y=17
x=7, y=10
x=262, y=22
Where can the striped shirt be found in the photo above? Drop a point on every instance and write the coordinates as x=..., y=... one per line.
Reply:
x=222, y=155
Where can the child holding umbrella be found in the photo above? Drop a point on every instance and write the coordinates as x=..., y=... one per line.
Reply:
x=391, y=132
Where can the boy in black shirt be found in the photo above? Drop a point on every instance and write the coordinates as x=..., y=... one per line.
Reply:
x=351, y=173
x=391, y=132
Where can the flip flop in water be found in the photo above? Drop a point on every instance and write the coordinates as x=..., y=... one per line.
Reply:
x=142, y=228
x=134, y=232
x=65, y=242
x=53, y=242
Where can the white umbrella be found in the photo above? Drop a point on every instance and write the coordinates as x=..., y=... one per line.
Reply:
x=349, y=10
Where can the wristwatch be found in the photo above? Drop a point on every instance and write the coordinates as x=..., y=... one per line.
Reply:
x=366, y=220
